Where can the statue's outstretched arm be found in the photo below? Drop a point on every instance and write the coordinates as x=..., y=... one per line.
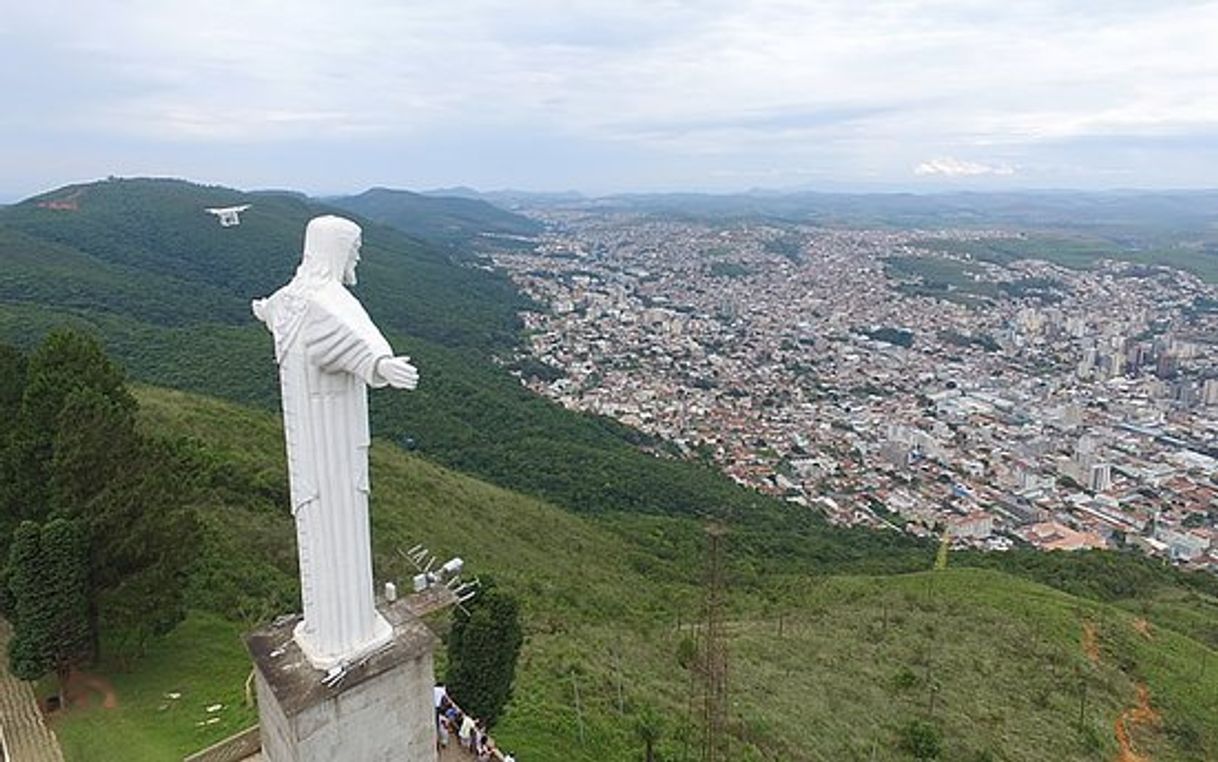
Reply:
x=398, y=372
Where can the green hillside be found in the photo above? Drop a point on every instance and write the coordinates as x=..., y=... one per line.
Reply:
x=436, y=218
x=821, y=667
x=140, y=264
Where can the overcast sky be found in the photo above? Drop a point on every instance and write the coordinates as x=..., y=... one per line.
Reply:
x=331, y=97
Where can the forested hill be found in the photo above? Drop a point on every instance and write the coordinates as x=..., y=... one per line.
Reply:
x=440, y=219
x=147, y=250
x=140, y=263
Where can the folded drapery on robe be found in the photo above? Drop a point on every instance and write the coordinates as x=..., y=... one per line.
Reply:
x=327, y=349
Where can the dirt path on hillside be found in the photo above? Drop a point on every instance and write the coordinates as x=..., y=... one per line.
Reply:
x=1091, y=643
x=1141, y=715
x=68, y=203
x=82, y=687
x=1143, y=628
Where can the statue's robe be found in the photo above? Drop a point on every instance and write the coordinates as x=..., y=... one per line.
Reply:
x=327, y=348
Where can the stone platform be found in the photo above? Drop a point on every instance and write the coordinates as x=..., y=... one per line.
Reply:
x=381, y=709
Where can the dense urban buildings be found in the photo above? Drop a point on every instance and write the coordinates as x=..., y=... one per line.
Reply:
x=906, y=380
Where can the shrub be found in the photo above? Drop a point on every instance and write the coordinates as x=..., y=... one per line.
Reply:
x=922, y=739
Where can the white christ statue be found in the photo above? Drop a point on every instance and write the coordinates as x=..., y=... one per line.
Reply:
x=329, y=352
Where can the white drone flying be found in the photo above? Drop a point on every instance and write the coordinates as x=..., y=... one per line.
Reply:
x=228, y=214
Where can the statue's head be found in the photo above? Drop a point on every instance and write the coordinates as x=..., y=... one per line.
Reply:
x=331, y=248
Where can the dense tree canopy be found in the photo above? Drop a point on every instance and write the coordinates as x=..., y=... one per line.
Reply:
x=67, y=363
x=483, y=646
x=48, y=581
x=99, y=515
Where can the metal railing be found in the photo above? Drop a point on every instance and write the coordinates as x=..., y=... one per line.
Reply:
x=232, y=749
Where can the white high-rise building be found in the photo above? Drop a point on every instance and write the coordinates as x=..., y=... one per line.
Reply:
x=1209, y=391
x=1100, y=478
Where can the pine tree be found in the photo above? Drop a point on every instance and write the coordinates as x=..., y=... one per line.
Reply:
x=94, y=443
x=65, y=363
x=48, y=582
x=75, y=454
x=146, y=535
x=29, y=657
x=12, y=380
x=483, y=646
x=12, y=388
x=66, y=557
x=133, y=495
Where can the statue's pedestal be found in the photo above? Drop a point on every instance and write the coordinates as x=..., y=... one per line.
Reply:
x=381, y=709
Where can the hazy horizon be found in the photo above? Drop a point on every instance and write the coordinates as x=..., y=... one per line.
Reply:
x=614, y=97
x=6, y=199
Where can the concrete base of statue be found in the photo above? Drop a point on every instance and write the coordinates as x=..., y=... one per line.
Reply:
x=382, y=633
x=381, y=709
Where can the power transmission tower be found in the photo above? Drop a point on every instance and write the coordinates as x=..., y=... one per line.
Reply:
x=714, y=655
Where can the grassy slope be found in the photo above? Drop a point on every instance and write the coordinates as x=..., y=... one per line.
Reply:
x=601, y=612
x=203, y=662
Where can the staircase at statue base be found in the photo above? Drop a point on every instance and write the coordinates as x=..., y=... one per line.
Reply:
x=24, y=735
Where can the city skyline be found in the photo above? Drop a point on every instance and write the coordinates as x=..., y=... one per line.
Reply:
x=613, y=97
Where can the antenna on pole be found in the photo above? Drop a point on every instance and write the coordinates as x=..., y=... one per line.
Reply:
x=445, y=579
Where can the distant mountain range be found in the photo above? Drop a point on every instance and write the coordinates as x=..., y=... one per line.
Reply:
x=440, y=219
x=1132, y=216
x=509, y=198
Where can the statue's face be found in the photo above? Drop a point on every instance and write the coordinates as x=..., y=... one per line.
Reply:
x=352, y=261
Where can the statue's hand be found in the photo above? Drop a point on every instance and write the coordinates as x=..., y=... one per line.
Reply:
x=398, y=372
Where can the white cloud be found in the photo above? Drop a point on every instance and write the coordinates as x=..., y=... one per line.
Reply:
x=833, y=86
x=949, y=166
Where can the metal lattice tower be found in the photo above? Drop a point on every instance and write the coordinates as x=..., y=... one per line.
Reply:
x=714, y=652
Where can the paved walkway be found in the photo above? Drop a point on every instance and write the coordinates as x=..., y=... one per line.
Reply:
x=454, y=754
x=25, y=734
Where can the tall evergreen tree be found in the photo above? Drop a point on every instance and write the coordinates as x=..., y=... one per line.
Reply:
x=95, y=445
x=483, y=646
x=48, y=582
x=65, y=363
x=145, y=536
x=12, y=387
x=75, y=454
x=133, y=496
x=65, y=551
x=12, y=380
x=31, y=618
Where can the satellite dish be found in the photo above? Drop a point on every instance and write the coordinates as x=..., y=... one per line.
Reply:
x=228, y=215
